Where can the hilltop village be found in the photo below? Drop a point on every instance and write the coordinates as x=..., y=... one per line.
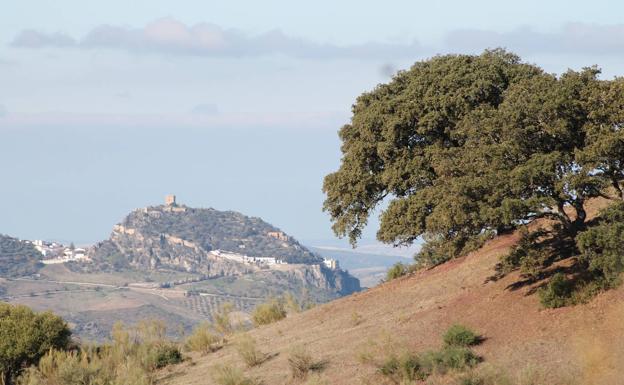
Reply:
x=57, y=253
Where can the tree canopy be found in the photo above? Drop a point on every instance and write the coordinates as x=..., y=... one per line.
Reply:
x=25, y=336
x=465, y=146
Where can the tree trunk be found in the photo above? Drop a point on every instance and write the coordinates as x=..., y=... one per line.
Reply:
x=618, y=188
x=581, y=216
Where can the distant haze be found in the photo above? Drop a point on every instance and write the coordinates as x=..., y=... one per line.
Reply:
x=109, y=106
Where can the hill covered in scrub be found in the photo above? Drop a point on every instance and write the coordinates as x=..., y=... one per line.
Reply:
x=17, y=257
x=216, y=244
x=521, y=340
x=198, y=229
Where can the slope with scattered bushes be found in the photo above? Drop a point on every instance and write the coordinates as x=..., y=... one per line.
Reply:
x=518, y=338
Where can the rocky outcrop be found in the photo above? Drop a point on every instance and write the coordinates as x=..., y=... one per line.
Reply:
x=185, y=240
x=319, y=276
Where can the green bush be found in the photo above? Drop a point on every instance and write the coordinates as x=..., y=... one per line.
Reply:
x=459, y=335
x=458, y=358
x=165, y=355
x=25, y=336
x=397, y=270
x=268, y=313
x=602, y=247
x=403, y=368
x=557, y=293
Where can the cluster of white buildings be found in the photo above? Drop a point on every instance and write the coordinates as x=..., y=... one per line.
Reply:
x=54, y=253
x=241, y=258
x=330, y=263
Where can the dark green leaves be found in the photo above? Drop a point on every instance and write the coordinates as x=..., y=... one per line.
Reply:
x=465, y=146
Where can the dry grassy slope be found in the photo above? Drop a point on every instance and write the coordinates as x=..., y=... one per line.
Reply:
x=584, y=342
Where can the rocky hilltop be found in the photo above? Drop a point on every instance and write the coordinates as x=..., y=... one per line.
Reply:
x=18, y=257
x=215, y=244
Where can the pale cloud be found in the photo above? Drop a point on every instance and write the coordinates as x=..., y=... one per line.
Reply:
x=3, y=111
x=171, y=36
x=34, y=39
x=571, y=38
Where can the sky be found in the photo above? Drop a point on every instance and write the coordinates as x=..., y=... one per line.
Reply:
x=107, y=106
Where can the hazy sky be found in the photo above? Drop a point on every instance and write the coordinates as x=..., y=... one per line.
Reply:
x=107, y=106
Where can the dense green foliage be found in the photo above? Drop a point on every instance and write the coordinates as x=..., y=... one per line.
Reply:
x=600, y=261
x=464, y=147
x=25, y=336
x=18, y=258
x=558, y=292
x=602, y=247
x=461, y=336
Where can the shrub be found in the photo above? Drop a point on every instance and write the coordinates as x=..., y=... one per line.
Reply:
x=164, y=355
x=247, y=350
x=268, y=313
x=459, y=335
x=459, y=358
x=203, y=340
x=530, y=254
x=229, y=375
x=222, y=319
x=602, y=247
x=131, y=358
x=301, y=362
x=356, y=319
x=557, y=293
x=402, y=369
x=397, y=270
x=25, y=336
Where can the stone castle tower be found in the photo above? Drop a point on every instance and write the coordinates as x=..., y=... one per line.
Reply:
x=170, y=200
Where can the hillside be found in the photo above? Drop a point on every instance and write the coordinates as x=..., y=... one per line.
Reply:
x=583, y=344
x=214, y=244
x=174, y=263
x=209, y=229
x=17, y=257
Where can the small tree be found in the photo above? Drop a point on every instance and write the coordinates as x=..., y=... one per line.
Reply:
x=25, y=336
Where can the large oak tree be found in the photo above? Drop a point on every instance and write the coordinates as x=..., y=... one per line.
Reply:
x=465, y=146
